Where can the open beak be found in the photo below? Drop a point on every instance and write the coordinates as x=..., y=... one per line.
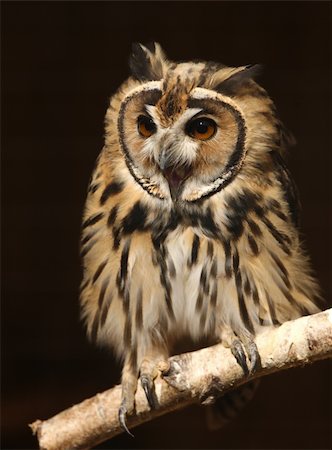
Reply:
x=175, y=174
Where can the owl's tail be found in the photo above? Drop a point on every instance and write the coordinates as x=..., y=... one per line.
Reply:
x=227, y=407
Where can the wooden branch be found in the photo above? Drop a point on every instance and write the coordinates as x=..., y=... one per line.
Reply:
x=193, y=377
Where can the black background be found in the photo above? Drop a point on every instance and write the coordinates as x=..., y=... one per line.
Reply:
x=61, y=61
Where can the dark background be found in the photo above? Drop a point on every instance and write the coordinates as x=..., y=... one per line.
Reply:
x=61, y=61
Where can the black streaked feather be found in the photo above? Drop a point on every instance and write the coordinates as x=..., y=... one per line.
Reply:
x=236, y=261
x=99, y=270
x=135, y=220
x=242, y=306
x=289, y=187
x=161, y=231
x=253, y=245
x=93, y=187
x=282, y=269
x=111, y=189
x=238, y=208
x=274, y=206
x=112, y=216
x=214, y=294
x=124, y=262
x=247, y=287
x=127, y=332
x=204, y=282
x=88, y=246
x=102, y=293
x=235, y=225
x=282, y=239
x=139, y=309
x=171, y=268
x=166, y=284
x=210, y=249
x=84, y=285
x=92, y=220
x=126, y=300
x=116, y=231
x=214, y=268
x=256, y=231
x=168, y=300
x=87, y=237
x=194, y=250
x=255, y=295
x=287, y=294
x=208, y=224
x=199, y=301
x=228, y=258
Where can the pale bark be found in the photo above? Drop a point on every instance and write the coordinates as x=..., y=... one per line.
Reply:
x=196, y=377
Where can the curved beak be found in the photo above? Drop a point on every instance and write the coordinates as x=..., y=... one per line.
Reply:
x=164, y=159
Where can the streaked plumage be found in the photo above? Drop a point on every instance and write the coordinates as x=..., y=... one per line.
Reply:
x=184, y=236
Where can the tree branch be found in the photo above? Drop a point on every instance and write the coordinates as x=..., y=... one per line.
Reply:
x=193, y=377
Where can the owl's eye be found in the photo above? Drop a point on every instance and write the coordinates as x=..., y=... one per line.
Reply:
x=146, y=126
x=201, y=128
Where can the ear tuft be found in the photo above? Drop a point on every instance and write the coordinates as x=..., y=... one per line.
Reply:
x=139, y=61
x=151, y=46
x=236, y=76
x=148, y=62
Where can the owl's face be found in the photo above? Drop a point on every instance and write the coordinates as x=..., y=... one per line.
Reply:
x=182, y=127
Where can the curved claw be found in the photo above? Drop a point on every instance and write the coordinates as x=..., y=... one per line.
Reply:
x=148, y=387
x=122, y=419
x=254, y=357
x=240, y=356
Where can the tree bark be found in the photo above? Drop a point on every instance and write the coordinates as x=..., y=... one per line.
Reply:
x=193, y=377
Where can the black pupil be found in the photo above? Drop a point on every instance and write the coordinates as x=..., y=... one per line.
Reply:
x=202, y=126
x=147, y=122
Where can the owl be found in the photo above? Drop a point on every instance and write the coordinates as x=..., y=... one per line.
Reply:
x=190, y=228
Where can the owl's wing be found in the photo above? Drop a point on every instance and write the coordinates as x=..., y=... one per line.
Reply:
x=289, y=187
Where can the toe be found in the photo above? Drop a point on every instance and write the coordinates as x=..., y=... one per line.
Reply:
x=122, y=419
x=254, y=357
x=240, y=355
x=148, y=387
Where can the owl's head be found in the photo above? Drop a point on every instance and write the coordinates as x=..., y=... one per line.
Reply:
x=188, y=129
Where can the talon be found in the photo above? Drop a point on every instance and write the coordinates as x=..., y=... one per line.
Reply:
x=240, y=356
x=122, y=419
x=148, y=386
x=254, y=357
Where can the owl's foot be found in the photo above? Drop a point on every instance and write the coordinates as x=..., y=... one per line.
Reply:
x=150, y=367
x=243, y=349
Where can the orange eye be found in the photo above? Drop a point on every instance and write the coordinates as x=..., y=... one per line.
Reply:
x=146, y=126
x=202, y=128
